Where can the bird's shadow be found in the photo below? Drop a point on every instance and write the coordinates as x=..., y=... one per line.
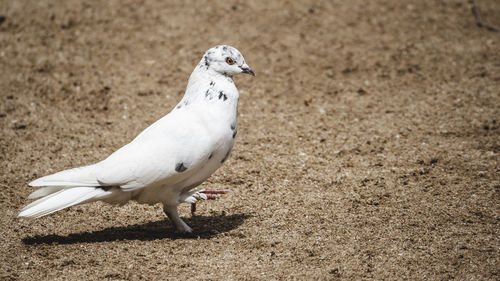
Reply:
x=147, y=231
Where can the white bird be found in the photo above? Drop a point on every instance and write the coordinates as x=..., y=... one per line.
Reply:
x=169, y=158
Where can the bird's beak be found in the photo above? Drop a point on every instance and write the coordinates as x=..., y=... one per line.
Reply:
x=246, y=69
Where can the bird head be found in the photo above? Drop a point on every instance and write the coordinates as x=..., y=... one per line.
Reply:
x=225, y=60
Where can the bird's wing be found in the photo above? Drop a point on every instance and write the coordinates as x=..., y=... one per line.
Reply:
x=169, y=151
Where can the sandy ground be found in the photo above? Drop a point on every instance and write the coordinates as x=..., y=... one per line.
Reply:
x=368, y=144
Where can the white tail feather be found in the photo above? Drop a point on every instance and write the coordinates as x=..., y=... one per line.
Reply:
x=44, y=191
x=77, y=177
x=62, y=199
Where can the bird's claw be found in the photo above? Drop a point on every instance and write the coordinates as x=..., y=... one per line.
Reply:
x=206, y=194
x=213, y=194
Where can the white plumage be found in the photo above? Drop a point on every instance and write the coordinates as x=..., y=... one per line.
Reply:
x=169, y=158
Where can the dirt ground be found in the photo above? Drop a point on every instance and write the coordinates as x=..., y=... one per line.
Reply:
x=368, y=143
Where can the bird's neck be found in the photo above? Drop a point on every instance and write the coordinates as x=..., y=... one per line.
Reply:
x=213, y=92
x=203, y=79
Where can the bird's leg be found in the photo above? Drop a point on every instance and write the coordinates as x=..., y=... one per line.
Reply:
x=173, y=215
x=204, y=194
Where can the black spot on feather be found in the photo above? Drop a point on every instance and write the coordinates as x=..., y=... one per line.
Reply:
x=233, y=128
x=208, y=94
x=179, y=167
x=222, y=95
x=206, y=61
x=182, y=103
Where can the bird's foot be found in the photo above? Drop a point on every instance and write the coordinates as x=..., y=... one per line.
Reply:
x=204, y=194
x=197, y=233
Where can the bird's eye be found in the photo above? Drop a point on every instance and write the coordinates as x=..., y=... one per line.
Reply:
x=229, y=60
